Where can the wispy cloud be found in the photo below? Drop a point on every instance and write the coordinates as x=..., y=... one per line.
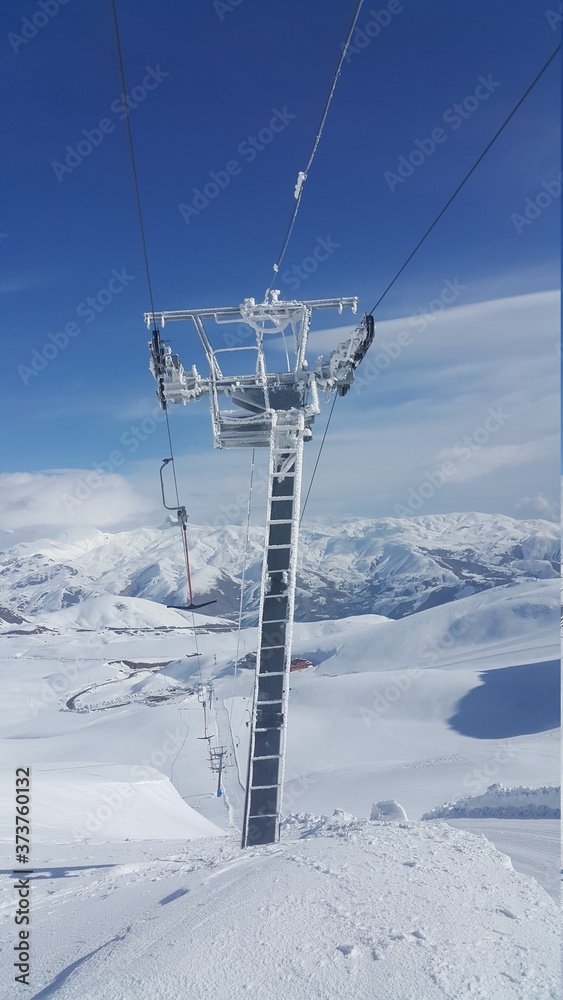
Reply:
x=539, y=506
x=24, y=282
x=491, y=459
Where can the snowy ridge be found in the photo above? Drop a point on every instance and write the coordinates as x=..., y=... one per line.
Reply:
x=469, y=629
x=503, y=803
x=388, y=566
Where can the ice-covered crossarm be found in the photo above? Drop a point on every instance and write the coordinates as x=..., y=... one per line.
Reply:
x=337, y=373
x=175, y=385
x=243, y=405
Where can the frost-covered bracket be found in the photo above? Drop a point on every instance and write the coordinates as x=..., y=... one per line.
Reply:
x=242, y=404
x=272, y=410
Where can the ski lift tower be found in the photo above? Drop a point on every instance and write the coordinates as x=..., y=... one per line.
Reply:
x=275, y=410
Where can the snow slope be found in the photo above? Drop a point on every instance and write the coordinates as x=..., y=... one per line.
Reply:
x=341, y=908
x=388, y=566
x=109, y=612
x=421, y=710
x=102, y=802
x=533, y=846
x=405, y=709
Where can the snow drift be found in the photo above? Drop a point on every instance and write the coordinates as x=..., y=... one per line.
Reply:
x=498, y=802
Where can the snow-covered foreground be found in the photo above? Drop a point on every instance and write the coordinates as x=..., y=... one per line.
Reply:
x=431, y=708
x=533, y=846
x=341, y=909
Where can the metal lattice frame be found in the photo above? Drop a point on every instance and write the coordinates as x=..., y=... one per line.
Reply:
x=272, y=410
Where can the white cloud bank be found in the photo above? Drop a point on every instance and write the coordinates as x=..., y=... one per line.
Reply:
x=463, y=415
x=65, y=498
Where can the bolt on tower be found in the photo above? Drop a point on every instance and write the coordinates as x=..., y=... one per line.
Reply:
x=256, y=408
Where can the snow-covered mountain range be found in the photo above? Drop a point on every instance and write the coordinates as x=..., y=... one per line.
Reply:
x=388, y=566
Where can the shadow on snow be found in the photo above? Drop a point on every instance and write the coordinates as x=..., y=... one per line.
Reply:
x=511, y=701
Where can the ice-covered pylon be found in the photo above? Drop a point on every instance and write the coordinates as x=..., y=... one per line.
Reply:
x=257, y=408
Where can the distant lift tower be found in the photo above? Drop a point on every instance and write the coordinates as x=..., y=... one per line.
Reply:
x=275, y=410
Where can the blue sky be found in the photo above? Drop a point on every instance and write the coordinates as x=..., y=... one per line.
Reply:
x=205, y=78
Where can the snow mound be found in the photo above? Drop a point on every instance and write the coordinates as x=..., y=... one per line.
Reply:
x=120, y=613
x=498, y=802
x=103, y=802
x=389, y=810
x=354, y=910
